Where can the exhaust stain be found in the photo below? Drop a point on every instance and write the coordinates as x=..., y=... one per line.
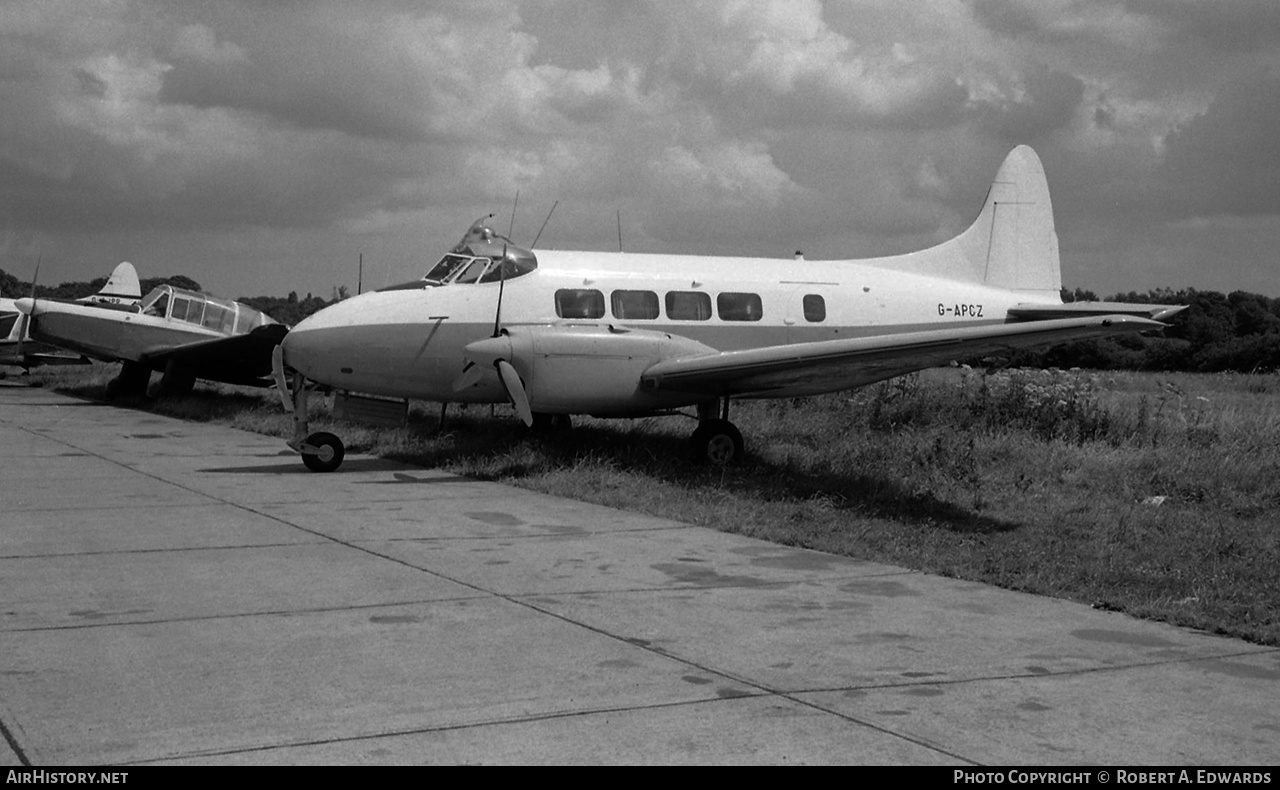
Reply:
x=1033, y=706
x=1038, y=671
x=732, y=693
x=921, y=674
x=695, y=680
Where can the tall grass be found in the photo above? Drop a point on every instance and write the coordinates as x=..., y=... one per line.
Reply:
x=1151, y=494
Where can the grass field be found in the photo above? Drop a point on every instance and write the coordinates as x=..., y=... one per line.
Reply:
x=1155, y=495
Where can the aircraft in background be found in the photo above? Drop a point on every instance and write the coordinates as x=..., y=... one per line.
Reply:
x=17, y=349
x=629, y=335
x=184, y=334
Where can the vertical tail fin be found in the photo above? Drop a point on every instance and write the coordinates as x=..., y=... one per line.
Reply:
x=122, y=286
x=1012, y=244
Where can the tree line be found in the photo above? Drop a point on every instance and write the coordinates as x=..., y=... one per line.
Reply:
x=1238, y=332
x=1216, y=332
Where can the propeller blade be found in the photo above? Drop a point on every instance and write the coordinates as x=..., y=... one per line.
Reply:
x=515, y=391
x=468, y=378
x=26, y=307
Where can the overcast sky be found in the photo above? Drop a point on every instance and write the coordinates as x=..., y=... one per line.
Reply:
x=260, y=147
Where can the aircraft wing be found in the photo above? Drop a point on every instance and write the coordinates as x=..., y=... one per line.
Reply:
x=831, y=365
x=240, y=359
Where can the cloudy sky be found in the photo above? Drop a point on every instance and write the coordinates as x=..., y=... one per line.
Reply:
x=261, y=147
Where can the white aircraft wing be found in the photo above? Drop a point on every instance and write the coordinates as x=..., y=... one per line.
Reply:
x=832, y=365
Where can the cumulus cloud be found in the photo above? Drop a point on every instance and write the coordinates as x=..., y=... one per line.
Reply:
x=861, y=127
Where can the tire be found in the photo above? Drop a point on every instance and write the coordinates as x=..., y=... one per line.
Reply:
x=717, y=442
x=330, y=456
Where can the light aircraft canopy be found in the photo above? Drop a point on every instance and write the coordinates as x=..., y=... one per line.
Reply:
x=200, y=309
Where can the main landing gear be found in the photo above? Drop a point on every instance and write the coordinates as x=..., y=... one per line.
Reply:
x=716, y=441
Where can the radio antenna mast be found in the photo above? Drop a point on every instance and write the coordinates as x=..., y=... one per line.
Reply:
x=544, y=224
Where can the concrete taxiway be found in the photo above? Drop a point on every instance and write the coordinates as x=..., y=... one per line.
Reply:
x=186, y=593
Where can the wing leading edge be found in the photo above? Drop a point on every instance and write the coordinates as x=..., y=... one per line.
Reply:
x=832, y=365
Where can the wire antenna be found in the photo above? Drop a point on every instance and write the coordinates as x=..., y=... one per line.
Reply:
x=544, y=224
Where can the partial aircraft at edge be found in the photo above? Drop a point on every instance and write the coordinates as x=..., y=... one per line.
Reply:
x=184, y=334
x=630, y=335
x=17, y=349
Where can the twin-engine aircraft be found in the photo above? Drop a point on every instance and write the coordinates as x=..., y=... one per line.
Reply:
x=629, y=335
x=184, y=334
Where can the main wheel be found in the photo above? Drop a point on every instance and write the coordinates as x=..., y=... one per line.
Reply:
x=330, y=452
x=717, y=442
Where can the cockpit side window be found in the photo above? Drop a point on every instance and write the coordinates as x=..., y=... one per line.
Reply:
x=159, y=307
x=473, y=271
x=447, y=267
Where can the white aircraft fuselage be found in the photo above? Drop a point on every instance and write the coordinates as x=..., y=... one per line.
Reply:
x=628, y=334
x=412, y=343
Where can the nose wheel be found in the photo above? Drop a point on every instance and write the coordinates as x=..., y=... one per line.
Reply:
x=323, y=452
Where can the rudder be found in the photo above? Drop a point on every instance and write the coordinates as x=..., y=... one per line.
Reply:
x=1012, y=244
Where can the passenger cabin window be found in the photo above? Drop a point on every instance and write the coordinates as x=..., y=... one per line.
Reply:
x=180, y=306
x=739, y=307
x=634, y=304
x=688, y=306
x=815, y=308
x=579, y=303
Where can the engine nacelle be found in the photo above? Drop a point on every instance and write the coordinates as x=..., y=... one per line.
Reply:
x=554, y=362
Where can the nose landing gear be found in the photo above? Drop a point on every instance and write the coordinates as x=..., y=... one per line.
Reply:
x=321, y=451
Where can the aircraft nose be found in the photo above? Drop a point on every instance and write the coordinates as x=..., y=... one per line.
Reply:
x=25, y=305
x=306, y=344
x=325, y=346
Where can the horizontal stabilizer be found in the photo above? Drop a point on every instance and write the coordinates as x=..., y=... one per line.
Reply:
x=1043, y=312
